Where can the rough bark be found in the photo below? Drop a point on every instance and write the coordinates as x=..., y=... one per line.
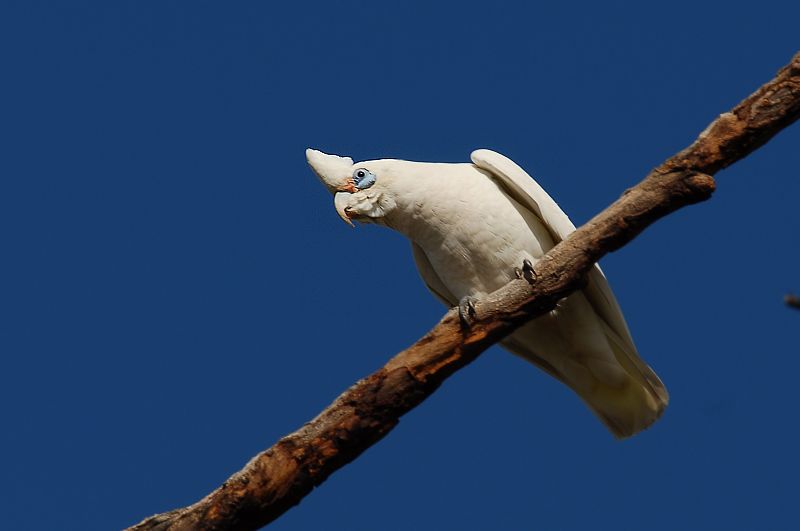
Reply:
x=279, y=477
x=792, y=301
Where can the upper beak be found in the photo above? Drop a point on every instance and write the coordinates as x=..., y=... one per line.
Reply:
x=341, y=201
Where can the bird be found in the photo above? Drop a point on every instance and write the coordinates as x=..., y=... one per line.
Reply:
x=471, y=226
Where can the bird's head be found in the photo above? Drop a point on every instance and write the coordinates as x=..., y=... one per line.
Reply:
x=360, y=190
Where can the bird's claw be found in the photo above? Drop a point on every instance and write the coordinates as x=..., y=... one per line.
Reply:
x=527, y=266
x=526, y=272
x=466, y=310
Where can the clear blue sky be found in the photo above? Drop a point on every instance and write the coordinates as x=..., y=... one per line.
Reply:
x=177, y=291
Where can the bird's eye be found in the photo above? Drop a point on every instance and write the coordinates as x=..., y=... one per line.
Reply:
x=363, y=178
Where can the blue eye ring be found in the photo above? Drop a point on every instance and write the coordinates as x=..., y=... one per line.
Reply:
x=363, y=178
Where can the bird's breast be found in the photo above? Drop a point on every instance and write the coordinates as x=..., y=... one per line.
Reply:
x=472, y=232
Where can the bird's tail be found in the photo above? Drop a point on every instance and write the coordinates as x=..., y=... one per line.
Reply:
x=625, y=408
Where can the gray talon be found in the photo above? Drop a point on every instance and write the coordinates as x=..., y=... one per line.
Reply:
x=527, y=271
x=466, y=310
x=527, y=266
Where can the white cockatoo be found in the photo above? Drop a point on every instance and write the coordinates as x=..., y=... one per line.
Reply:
x=472, y=226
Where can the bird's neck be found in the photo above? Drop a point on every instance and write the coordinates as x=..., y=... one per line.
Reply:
x=425, y=209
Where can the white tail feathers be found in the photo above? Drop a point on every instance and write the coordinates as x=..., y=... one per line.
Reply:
x=625, y=408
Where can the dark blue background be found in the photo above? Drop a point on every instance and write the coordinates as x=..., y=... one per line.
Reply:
x=177, y=291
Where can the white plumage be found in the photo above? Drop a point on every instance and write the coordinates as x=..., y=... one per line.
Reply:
x=471, y=226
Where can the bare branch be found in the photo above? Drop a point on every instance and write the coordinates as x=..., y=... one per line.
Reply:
x=792, y=300
x=278, y=478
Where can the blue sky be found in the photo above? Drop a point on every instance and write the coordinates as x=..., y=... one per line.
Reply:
x=177, y=291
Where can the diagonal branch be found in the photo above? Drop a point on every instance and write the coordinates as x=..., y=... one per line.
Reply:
x=279, y=477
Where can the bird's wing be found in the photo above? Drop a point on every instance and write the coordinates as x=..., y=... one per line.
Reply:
x=528, y=193
x=624, y=412
x=431, y=278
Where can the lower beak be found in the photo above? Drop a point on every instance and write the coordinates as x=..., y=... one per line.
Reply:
x=341, y=202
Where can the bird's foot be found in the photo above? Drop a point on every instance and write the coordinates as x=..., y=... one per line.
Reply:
x=526, y=272
x=527, y=268
x=466, y=310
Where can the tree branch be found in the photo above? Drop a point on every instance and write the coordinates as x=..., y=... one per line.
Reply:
x=279, y=477
x=792, y=301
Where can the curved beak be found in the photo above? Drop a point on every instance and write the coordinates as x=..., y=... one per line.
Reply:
x=341, y=201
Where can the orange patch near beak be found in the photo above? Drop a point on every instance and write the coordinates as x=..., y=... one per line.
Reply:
x=350, y=187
